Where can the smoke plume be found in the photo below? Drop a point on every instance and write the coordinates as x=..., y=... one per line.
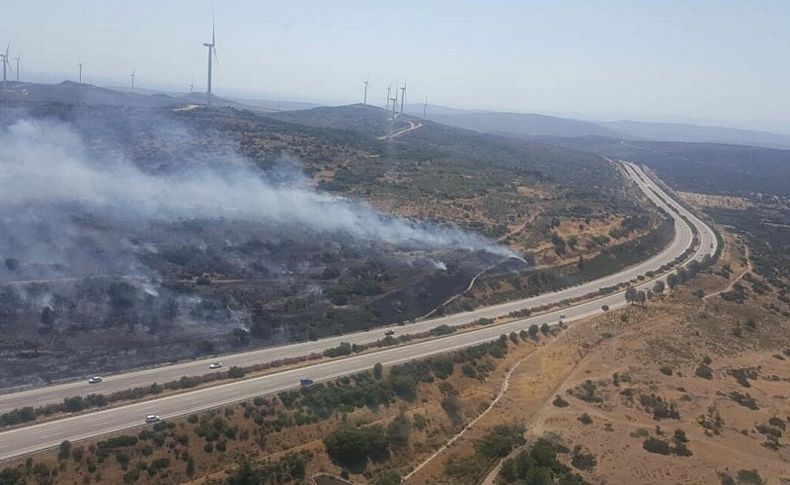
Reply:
x=46, y=168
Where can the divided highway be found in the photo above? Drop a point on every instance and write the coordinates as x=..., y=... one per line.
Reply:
x=36, y=437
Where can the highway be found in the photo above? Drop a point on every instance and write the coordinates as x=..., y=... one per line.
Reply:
x=24, y=440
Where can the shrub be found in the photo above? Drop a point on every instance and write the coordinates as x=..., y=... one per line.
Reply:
x=190, y=467
x=398, y=431
x=64, y=450
x=749, y=477
x=704, y=372
x=442, y=330
x=559, y=402
x=131, y=476
x=351, y=446
x=585, y=419
x=581, y=459
x=498, y=442
x=419, y=421
x=744, y=400
x=660, y=408
x=655, y=445
x=236, y=372
x=388, y=477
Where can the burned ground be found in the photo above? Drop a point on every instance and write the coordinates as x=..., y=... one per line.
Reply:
x=195, y=275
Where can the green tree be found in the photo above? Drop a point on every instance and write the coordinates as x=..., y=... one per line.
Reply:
x=353, y=446
x=64, y=450
x=659, y=287
x=631, y=295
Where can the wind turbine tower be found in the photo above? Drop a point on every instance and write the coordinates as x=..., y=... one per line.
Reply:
x=17, y=59
x=6, y=65
x=80, y=64
x=425, y=109
x=132, y=76
x=402, y=96
x=389, y=93
x=211, y=53
x=365, y=93
x=394, y=108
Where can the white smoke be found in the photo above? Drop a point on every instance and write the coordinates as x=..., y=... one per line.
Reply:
x=47, y=164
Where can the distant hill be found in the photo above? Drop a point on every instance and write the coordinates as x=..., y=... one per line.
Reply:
x=416, y=109
x=695, y=133
x=361, y=118
x=699, y=167
x=70, y=92
x=536, y=125
x=274, y=105
x=524, y=124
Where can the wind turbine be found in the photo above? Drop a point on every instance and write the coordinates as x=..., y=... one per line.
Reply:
x=402, y=96
x=17, y=58
x=389, y=91
x=6, y=65
x=212, y=53
x=132, y=76
x=394, y=108
x=80, y=64
x=365, y=93
x=425, y=109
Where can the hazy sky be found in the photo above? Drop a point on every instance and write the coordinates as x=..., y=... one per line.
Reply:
x=661, y=59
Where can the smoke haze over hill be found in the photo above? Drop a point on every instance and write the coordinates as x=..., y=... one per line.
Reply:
x=48, y=176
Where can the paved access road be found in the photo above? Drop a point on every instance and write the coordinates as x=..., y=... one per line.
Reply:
x=36, y=437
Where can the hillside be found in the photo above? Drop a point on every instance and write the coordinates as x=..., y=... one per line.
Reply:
x=197, y=230
x=700, y=167
x=700, y=134
x=69, y=92
x=525, y=124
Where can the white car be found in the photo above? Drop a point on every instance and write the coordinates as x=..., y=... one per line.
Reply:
x=215, y=365
x=152, y=418
x=94, y=380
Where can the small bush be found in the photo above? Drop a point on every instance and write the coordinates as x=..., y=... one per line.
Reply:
x=704, y=372
x=655, y=445
x=236, y=372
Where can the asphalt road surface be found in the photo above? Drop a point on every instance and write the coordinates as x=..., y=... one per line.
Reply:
x=27, y=439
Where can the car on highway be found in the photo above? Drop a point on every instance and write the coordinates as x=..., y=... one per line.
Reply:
x=389, y=332
x=94, y=380
x=305, y=382
x=562, y=315
x=215, y=365
x=153, y=418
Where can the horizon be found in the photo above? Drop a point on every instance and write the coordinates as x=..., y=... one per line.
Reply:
x=616, y=61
